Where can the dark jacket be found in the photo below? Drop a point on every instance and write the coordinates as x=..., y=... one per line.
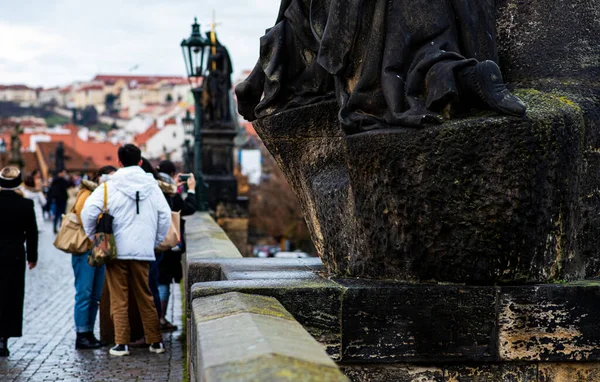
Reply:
x=58, y=189
x=17, y=226
x=170, y=265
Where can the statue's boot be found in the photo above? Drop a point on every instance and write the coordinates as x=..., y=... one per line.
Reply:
x=249, y=93
x=484, y=80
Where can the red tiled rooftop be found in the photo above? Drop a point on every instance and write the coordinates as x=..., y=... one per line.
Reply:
x=100, y=153
x=74, y=161
x=90, y=87
x=249, y=129
x=15, y=87
x=112, y=78
x=144, y=137
x=30, y=159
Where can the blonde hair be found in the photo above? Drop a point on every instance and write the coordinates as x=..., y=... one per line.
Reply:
x=10, y=172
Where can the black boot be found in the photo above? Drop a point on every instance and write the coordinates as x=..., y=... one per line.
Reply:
x=94, y=340
x=4, y=347
x=484, y=81
x=83, y=342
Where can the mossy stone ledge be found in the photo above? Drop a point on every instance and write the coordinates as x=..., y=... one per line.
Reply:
x=480, y=200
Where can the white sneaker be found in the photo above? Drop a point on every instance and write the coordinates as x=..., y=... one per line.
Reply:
x=158, y=348
x=119, y=350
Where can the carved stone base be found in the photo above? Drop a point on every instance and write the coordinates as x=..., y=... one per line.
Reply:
x=380, y=331
x=480, y=200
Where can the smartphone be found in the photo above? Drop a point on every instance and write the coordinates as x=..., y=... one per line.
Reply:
x=184, y=177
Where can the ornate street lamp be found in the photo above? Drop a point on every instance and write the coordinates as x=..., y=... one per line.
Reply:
x=188, y=123
x=194, y=49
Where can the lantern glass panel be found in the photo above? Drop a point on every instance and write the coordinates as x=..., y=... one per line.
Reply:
x=188, y=124
x=188, y=69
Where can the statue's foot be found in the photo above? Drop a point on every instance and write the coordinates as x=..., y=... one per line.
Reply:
x=247, y=101
x=485, y=80
x=249, y=93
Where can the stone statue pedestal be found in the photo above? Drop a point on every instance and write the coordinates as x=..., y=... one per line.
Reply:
x=391, y=331
x=465, y=251
x=217, y=162
x=481, y=200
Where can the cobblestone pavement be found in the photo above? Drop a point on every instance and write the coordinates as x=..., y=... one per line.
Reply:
x=46, y=352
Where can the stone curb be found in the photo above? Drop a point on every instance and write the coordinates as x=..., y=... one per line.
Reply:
x=240, y=337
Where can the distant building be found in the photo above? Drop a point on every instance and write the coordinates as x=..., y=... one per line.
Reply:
x=47, y=96
x=18, y=94
x=162, y=138
x=89, y=154
x=67, y=97
x=134, y=92
x=75, y=162
x=92, y=94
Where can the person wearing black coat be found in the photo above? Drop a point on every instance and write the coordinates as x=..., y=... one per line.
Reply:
x=59, y=194
x=17, y=226
x=170, y=268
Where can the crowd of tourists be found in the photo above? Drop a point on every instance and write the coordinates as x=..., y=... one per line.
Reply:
x=123, y=229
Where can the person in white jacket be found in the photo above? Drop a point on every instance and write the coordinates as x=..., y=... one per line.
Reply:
x=142, y=218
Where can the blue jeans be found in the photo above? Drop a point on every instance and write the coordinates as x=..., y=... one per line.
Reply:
x=61, y=206
x=164, y=291
x=88, y=291
x=153, y=283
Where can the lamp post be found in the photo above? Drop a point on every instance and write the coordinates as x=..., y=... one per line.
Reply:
x=188, y=129
x=3, y=151
x=194, y=49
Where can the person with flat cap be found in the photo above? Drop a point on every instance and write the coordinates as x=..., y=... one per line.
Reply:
x=17, y=226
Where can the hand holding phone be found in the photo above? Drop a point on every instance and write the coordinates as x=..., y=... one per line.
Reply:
x=187, y=179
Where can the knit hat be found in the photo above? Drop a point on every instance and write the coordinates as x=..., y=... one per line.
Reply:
x=10, y=178
x=167, y=167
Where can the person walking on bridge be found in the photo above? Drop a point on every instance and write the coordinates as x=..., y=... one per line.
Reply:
x=89, y=280
x=17, y=226
x=142, y=218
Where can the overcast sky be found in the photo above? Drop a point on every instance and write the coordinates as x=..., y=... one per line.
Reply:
x=55, y=42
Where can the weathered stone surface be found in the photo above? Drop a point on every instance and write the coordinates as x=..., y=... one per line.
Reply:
x=569, y=372
x=390, y=322
x=230, y=304
x=205, y=240
x=316, y=304
x=550, y=322
x=239, y=337
x=394, y=372
x=231, y=268
x=478, y=200
x=274, y=368
x=549, y=39
x=504, y=372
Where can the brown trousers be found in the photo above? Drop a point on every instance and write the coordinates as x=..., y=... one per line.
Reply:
x=120, y=276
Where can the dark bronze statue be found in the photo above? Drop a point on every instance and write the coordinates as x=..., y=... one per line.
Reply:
x=387, y=62
x=15, y=157
x=59, y=157
x=216, y=94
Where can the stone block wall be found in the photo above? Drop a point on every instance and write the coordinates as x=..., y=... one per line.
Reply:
x=242, y=337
